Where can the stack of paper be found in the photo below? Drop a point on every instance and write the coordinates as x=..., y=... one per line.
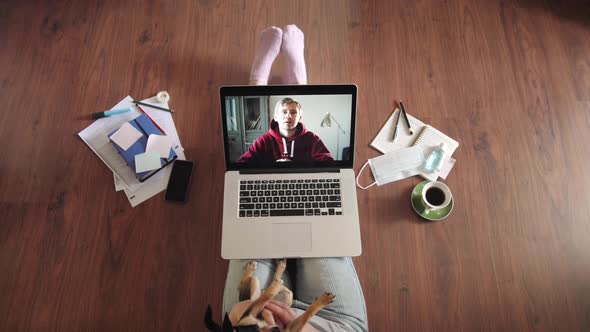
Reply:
x=95, y=136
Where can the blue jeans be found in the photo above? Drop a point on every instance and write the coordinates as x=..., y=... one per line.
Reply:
x=314, y=277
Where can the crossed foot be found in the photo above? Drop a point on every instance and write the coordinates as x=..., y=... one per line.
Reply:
x=289, y=42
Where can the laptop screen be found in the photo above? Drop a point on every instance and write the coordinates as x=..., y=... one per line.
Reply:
x=305, y=126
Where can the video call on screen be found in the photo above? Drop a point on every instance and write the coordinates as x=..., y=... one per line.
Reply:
x=328, y=117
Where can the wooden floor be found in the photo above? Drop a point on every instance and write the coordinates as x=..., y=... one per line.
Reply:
x=510, y=80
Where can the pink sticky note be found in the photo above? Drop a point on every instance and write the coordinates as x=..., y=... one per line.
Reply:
x=159, y=144
x=126, y=136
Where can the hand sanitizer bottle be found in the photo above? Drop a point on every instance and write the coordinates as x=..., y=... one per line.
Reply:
x=435, y=160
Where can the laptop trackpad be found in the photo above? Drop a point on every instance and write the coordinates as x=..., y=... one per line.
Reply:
x=291, y=237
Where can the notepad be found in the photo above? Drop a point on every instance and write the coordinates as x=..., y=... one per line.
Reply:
x=146, y=127
x=429, y=138
x=424, y=136
x=384, y=143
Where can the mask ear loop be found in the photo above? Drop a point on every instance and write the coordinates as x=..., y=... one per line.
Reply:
x=359, y=175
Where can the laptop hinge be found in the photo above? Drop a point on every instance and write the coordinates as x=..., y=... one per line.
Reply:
x=289, y=170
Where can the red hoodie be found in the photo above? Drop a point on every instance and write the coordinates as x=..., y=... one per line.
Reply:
x=303, y=147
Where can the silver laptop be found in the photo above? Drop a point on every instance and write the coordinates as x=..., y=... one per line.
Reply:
x=289, y=181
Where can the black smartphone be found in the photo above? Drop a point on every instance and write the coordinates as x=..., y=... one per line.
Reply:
x=179, y=182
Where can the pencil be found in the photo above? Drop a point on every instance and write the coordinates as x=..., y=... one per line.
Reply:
x=396, y=124
x=154, y=122
x=154, y=106
x=401, y=105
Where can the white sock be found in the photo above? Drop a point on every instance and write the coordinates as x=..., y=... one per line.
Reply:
x=268, y=49
x=292, y=48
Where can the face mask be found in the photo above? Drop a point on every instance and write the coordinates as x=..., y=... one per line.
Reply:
x=394, y=165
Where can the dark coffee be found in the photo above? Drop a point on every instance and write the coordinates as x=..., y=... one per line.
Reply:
x=435, y=196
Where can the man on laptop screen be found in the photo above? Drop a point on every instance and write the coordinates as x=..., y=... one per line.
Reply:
x=289, y=188
x=287, y=139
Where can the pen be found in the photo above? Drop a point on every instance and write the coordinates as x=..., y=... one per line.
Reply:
x=401, y=105
x=396, y=125
x=154, y=122
x=99, y=115
x=154, y=106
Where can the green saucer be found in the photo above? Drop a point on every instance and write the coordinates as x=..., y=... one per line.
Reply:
x=432, y=215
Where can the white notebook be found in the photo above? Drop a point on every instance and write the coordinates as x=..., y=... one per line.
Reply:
x=423, y=135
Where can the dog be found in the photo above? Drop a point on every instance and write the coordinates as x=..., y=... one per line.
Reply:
x=249, y=289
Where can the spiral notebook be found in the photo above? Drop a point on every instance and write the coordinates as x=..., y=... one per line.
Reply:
x=423, y=135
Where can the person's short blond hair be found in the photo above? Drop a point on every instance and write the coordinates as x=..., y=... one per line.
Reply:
x=287, y=101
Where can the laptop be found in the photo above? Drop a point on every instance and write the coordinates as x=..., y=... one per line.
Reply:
x=289, y=183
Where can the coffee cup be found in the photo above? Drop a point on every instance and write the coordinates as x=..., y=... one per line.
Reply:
x=435, y=196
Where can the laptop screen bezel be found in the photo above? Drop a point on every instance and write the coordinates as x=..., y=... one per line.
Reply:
x=281, y=90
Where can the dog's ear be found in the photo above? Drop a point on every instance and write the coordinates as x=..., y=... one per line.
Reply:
x=209, y=323
x=226, y=325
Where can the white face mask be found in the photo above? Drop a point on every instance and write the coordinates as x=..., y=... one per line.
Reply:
x=394, y=165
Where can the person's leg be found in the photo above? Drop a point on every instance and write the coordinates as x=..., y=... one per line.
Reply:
x=335, y=275
x=292, y=48
x=269, y=47
x=265, y=270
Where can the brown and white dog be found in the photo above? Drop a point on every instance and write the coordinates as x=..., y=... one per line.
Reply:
x=249, y=289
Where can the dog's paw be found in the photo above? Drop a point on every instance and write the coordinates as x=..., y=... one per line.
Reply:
x=282, y=264
x=251, y=266
x=276, y=286
x=325, y=298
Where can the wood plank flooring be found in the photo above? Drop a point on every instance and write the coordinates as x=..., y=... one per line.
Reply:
x=509, y=80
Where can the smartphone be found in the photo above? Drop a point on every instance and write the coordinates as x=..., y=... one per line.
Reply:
x=179, y=182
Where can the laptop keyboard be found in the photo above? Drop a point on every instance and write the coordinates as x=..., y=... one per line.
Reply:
x=278, y=198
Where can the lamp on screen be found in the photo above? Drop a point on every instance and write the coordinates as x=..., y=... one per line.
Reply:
x=327, y=123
